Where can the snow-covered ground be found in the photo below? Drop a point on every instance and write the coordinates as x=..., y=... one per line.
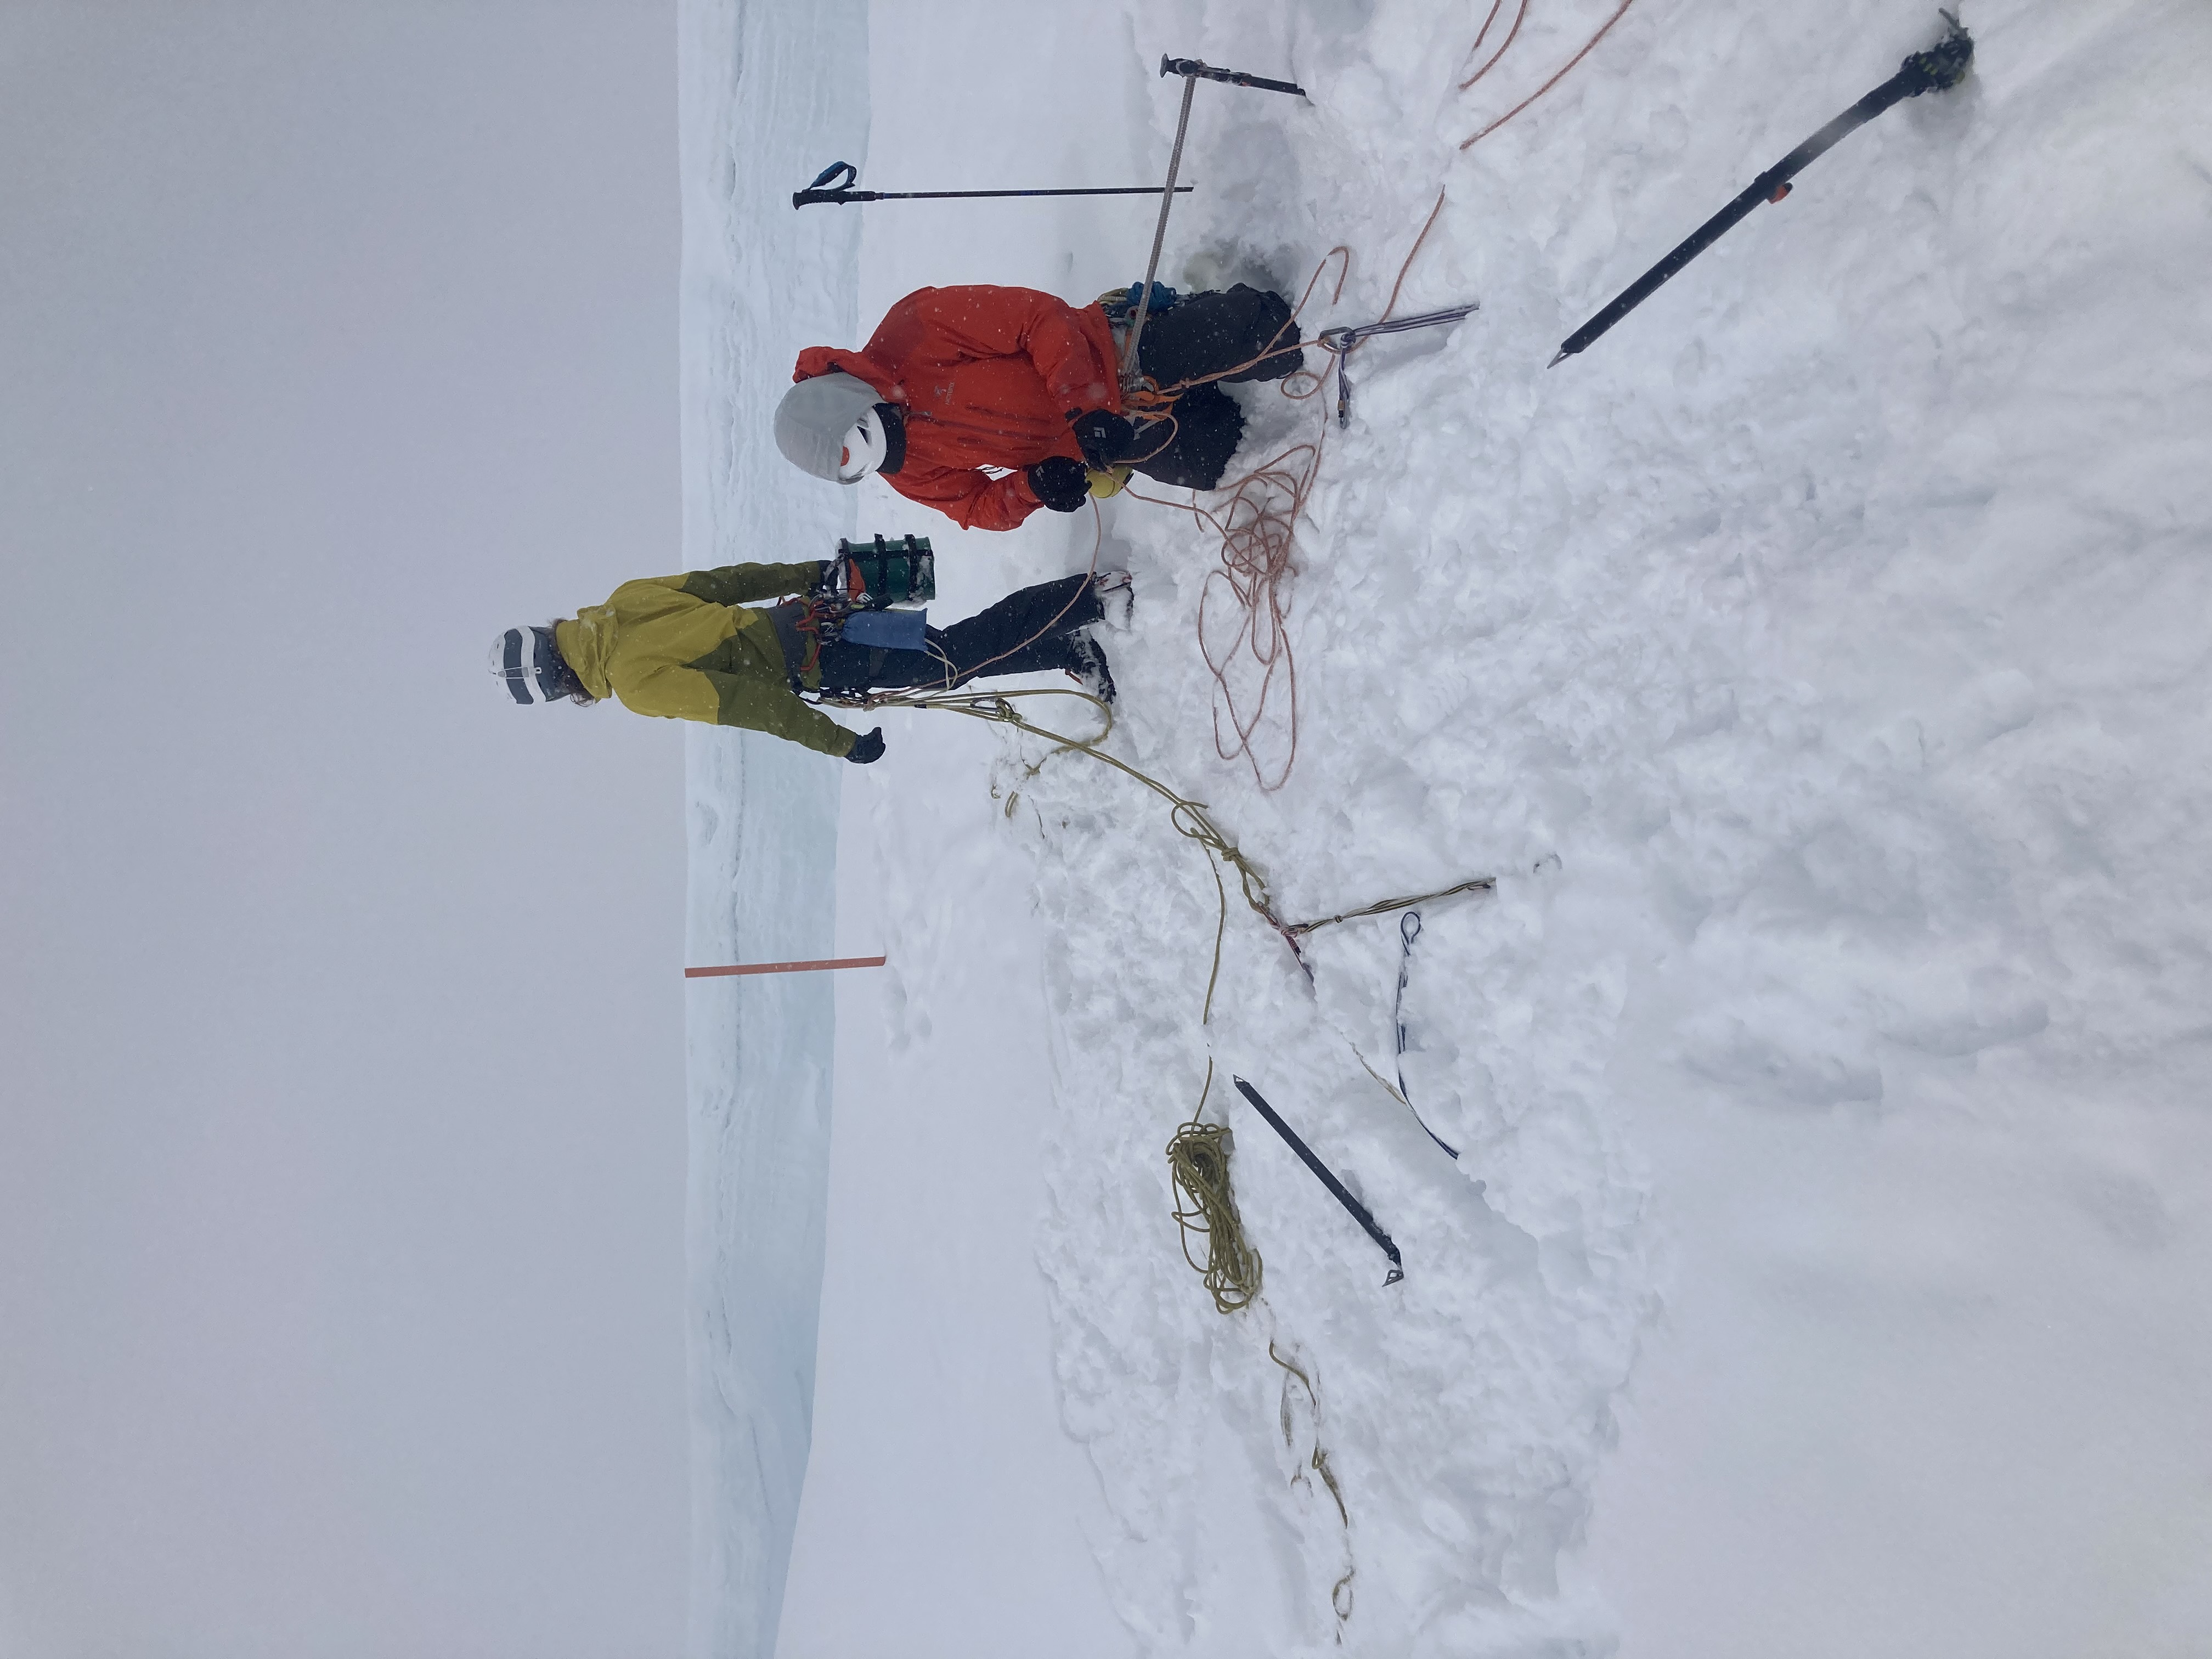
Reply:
x=1819, y=665
x=759, y=85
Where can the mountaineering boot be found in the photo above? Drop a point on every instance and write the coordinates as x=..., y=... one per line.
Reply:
x=1221, y=335
x=1090, y=668
x=1207, y=426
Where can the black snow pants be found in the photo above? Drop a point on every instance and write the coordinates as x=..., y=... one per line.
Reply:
x=1204, y=334
x=1025, y=632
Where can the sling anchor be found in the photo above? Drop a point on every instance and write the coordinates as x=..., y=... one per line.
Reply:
x=1409, y=929
x=1342, y=340
x=1358, y=1211
x=1940, y=68
x=842, y=194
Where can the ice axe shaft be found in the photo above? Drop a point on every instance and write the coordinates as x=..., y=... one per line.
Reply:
x=1352, y=1205
x=1193, y=72
x=1942, y=66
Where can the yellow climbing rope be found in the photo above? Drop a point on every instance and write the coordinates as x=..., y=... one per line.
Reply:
x=1198, y=1156
x=1206, y=1209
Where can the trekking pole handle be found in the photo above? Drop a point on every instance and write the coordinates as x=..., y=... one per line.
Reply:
x=1191, y=66
x=841, y=193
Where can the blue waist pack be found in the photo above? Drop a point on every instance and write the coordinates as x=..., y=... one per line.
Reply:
x=887, y=630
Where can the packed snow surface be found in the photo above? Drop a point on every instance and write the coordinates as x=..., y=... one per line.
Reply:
x=1818, y=664
x=761, y=86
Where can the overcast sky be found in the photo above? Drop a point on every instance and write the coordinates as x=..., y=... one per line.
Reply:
x=341, y=1146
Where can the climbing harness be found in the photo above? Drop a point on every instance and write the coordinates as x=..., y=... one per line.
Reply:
x=1940, y=68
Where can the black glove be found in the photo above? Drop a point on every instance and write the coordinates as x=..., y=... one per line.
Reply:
x=867, y=749
x=1106, y=440
x=1059, y=484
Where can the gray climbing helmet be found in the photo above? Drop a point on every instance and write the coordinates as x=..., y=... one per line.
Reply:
x=814, y=417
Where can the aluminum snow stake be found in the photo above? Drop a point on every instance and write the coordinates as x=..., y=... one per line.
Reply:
x=1342, y=340
x=1940, y=68
x=1358, y=1211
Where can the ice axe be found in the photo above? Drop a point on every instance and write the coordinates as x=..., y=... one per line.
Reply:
x=1193, y=72
x=822, y=190
x=1322, y=1173
x=1940, y=68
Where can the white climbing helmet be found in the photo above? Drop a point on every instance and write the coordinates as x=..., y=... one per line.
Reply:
x=828, y=426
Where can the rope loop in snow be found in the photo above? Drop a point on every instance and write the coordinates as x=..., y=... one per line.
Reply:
x=1558, y=76
x=1340, y=1595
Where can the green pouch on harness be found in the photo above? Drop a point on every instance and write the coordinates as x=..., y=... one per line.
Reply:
x=872, y=576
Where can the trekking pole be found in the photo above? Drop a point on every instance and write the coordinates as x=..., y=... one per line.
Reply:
x=1940, y=68
x=1358, y=1211
x=1191, y=66
x=842, y=194
x=1193, y=72
x=1343, y=339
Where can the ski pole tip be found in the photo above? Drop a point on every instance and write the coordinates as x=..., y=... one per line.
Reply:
x=1559, y=358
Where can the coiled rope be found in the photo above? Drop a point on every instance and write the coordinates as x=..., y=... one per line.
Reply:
x=1256, y=528
x=1206, y=1209
x=1198, y=1156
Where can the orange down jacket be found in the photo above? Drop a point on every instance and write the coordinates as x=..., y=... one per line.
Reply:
x=986, y=378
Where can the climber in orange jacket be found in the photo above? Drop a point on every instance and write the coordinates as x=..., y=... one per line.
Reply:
x=989, y=402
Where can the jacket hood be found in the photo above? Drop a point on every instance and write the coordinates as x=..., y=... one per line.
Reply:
x=587, y=643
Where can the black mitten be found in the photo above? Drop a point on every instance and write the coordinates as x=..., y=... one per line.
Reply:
x=867, y=749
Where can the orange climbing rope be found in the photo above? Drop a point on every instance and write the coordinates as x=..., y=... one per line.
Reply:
x=1558, y=76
